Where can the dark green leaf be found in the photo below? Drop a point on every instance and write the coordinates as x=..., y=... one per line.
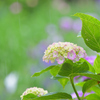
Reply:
x=91, y=68
x=54, y=71
x=63, y=81
x=97, y=64
x=50, y=96
x=88, y=84
x=45, y=70
x=90, y=31
x=92, y=97
x=71, y=68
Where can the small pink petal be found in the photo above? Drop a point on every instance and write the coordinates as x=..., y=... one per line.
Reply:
x=81, y=54
x=71, y=55
x=60, y=60
x=55, y=54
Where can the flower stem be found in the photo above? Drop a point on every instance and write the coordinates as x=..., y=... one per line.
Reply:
x=71, y=80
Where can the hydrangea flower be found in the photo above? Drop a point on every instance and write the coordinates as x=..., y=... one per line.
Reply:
x=62, y=50
x=34, y=90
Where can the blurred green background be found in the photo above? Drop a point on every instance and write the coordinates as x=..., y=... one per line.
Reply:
x=27, y=27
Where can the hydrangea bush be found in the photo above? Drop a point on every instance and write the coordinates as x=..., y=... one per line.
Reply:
x=72, y=62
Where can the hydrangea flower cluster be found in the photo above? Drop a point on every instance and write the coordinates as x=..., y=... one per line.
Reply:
x=36, y=91
x=62, y=50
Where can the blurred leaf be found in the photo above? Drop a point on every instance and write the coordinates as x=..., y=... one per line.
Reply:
x=45, y=70
x=90, y=31
x=71, y=68
x=80, y=84
x=97, y=64
x=93, y=76
x=49, y=96
x=54, y=71
x=63, y=81
x=96, y=90
x=92, y=97
x=88, y=84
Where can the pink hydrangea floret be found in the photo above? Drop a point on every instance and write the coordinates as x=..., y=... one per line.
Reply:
x=62, y=50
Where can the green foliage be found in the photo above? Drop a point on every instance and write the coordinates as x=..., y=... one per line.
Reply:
x=97, y=64
x=29, y=96
x=91, y=69
x=96, y=89
x=69, y=68
x=90, y=31
x=50, y=96
x=93, y=97
x=63, y=81
x=54, y=71
x=91, y=75
x=88, y=84
x=44, y=70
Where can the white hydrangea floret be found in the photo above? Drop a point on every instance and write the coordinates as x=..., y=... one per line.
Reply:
x=62, y=50
x=34, y=90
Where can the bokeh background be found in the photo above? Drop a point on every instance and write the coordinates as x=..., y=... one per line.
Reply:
x=27, y=27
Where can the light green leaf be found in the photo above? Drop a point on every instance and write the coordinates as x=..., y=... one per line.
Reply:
x=96, y=90
x=45, y=70
x=88, y=84
x=90, y=31
x=92, y=97
x=63, y=81
x=97, y=64
x=80, y=84
x=54, y=71
x=51, y=96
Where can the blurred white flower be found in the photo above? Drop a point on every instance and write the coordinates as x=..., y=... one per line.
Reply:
x=11, y=82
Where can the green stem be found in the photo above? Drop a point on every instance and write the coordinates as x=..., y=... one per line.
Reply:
x=71, y=80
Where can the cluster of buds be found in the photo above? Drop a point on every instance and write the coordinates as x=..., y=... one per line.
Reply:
x=36, y=91
x=62, y=50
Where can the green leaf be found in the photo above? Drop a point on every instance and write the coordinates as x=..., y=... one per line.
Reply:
x=88, y=84
x=90, y=31
x=29, y=96
x=58, y=77
x=45, y=70
x=71, y=68
x=92, y=97
x=63, y=81
x=54, y=71
x=97, y=64
x=50, y=96
x=96, y=90
x=80, y=84
x=93, y=76
x=91, y=68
